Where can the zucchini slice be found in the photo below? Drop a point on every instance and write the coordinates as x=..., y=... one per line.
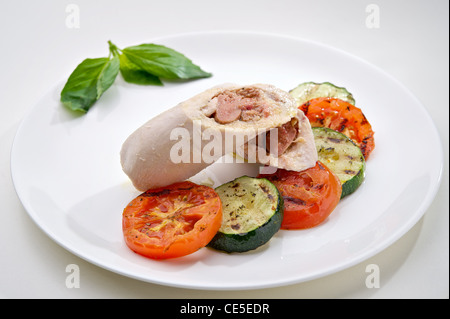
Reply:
x=252, y=211
x=341, y=156
x=311, y=90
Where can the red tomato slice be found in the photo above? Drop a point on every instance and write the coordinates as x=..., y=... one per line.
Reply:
x=309, y=196
x=343, y=117
x=172, y=221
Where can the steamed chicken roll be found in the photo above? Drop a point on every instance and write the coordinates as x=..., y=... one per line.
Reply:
x=149, y=155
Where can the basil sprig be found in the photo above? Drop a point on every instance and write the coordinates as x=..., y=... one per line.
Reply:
x=144, y=64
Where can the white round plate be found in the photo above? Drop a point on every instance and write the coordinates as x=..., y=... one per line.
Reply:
x=67, y=173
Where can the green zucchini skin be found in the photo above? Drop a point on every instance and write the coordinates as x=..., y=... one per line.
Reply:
x=311, y=90
x=247, y=239
x=341, y=156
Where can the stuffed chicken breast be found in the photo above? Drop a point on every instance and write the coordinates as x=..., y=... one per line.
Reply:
x=185, y=139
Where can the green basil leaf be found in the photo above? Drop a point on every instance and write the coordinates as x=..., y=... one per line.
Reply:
x=90, y=79
x=163, y=62
x=108, y=75
x=134, y=74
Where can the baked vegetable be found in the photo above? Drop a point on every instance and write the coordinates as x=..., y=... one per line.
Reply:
x=311, y=90
x=343, y=117
x=252, y=214
x=342, y=156
x=310, y=196
x=172, y=221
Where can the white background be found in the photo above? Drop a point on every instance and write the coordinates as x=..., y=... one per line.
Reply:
x=38, y=49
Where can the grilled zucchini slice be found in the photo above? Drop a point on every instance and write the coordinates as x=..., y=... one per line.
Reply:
x=342, y=156
x=311, y=90
x=252, y=211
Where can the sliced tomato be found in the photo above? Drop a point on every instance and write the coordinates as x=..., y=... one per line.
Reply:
x=172, y=221
x=309, y=196
x=343, y=117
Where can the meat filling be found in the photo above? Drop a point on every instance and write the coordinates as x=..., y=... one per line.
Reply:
x=246, y=104
x=287, y=134
x=229, y=108
x=250, y=104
